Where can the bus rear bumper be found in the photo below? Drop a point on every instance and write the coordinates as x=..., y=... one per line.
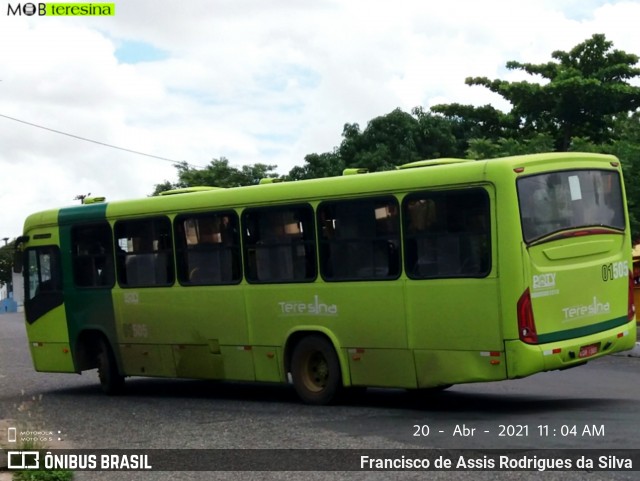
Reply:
x=526, y=359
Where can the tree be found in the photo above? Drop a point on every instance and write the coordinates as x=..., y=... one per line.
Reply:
x=439, y=135
x=586, y=89
x=387, y=141
x=469, y=122
x=329, y=164
x=503, y=147
x=217, y=174
x=6, y=262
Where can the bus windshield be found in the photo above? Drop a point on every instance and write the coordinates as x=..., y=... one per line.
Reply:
x=558, y=201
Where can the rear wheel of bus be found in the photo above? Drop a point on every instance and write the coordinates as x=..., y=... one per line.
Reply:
x=111, y=381
x=315, y=370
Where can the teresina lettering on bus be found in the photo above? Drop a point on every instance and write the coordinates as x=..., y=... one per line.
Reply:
x=315, y=308
x=587, y=310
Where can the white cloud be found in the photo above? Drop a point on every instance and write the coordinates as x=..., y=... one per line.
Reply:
x=250, y=80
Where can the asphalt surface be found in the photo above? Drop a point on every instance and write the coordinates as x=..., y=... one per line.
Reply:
x=180, y=414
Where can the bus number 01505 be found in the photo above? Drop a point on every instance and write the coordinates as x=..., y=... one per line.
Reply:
x=615, y=270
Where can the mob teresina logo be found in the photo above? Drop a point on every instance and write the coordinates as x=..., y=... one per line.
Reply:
x=61, y=9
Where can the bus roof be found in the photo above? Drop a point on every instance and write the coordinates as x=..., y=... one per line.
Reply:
x=416, y=175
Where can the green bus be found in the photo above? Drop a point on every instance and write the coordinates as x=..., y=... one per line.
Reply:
x=441, y=272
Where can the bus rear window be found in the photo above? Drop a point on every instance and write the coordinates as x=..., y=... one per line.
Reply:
x=559, y=201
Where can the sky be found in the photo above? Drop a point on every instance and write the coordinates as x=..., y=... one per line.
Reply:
x=249, y=80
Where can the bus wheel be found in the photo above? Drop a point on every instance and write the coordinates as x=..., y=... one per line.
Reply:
x=111, y=381
x=315, y=370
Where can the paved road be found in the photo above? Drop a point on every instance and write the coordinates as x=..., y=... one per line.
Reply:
x=601, y=397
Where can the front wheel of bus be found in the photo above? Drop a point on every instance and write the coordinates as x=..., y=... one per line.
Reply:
x=111, y=381
x=315, y=370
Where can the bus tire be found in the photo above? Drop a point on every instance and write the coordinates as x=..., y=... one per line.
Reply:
x=111, y=381
x=315, y=370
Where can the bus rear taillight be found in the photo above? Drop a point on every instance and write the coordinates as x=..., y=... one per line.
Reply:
x=631, y=310
x=526, y=322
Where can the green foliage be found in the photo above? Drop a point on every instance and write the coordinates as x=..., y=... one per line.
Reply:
x=586, y=89
x=503, y=147
x=471, y=122
x=387, y=141
x=438, y=135
x=398, y=138
x=217, y=174
x=42, y=475
x=163, y=187
x=6, y=262
x=329, y=164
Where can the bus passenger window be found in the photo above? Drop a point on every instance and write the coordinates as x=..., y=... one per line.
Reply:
x=208, y=249
x=359, y=239
x=447, y=234
x=279, y=244
x=145, y=255
x=92, y=255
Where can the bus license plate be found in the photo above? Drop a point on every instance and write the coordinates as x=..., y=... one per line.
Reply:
x=588, y=351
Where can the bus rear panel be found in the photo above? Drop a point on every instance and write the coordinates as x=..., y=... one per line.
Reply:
x=577, y=302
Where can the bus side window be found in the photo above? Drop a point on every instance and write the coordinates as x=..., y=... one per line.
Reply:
x=145, y=255
x=92, y=255
x=279, y=244
x=447, y=234
x=208, y=249
x=359, y=239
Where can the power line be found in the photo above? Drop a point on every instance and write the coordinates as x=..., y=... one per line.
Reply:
x=97, y=142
